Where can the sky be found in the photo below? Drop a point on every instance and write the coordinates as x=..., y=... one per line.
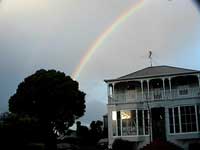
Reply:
x=56, y=34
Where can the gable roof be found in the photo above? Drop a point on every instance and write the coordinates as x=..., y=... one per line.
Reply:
x=155, y=71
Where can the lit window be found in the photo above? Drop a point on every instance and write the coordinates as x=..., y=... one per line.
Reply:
x=130, y=122
x=114, y=115
x=129, y=126
x=125, y=115
x=114, y=123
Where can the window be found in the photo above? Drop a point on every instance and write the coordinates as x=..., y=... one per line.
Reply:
x=198, y=115
x=176, y=120
x=118, y=123
x=114, y=123
x=146, y=122
x=183, y=119
x=134, y=122
x=110, y=91
x=140, y=122
x=171, y=121
x=188, y=119
x=129, y=126
x=130, y=122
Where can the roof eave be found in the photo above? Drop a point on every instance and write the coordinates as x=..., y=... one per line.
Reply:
x=145, y=77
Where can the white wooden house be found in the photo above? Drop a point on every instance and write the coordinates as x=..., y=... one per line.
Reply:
x=159, y=102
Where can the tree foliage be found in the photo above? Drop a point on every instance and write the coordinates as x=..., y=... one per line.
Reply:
x=50, y=96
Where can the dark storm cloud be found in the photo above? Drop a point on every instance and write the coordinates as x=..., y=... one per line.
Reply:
x=48, y=34
x=197, y=2
x=56, y=34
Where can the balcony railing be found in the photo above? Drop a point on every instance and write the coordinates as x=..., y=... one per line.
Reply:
x=154, y=95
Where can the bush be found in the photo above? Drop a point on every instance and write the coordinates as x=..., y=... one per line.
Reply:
x=120, y=144
x=17, y=131
x=35, y=146
x=194, y=146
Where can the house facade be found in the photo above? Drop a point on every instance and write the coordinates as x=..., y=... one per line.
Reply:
x=155, y=103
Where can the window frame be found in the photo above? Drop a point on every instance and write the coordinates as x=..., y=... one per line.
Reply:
x=137, y=126
x=196, y=107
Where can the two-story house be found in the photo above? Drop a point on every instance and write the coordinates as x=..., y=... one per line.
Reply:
x=159, y=102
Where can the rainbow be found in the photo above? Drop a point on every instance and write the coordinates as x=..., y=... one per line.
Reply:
x=88, y=54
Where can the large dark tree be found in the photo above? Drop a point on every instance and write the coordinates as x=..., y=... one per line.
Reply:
x=52, y=97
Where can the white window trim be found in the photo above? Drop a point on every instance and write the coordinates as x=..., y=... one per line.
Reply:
x=173, y=120
x=149, y=123
x=121, y=124
x=180, y=121
x=194, y=132
x=197, y=122
x=143, y=122
x=116, y=125
x=137, y=122
x=116, y=128
x=134, y=136
x=137, y=125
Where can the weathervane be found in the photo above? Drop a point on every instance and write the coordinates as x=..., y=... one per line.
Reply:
x=150, y=58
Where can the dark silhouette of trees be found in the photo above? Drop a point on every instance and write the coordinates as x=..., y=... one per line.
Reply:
x=96, y=131
x=17, y=131
x=120, y=144
x=53, y=98
x=82, y=131
x=92, y=135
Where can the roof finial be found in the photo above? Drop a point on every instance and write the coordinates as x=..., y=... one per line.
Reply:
x=150, y=58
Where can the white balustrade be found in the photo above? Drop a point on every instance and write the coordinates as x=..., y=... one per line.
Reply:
x=154, y=95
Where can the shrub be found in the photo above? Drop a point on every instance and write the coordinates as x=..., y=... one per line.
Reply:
x=194, y=146
x=120, y=144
